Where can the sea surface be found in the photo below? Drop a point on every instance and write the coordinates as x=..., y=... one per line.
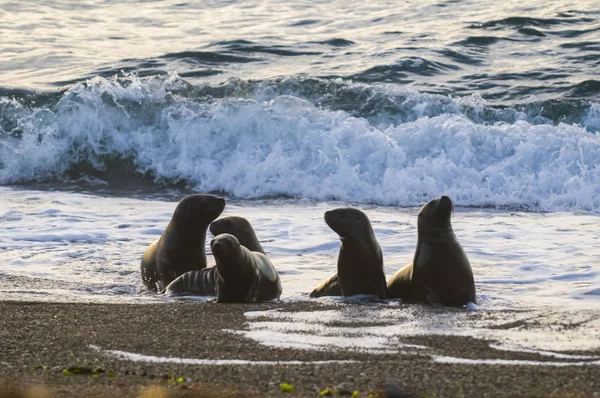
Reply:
x=111, y=111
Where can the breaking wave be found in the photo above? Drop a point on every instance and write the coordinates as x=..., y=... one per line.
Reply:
x=313, y=138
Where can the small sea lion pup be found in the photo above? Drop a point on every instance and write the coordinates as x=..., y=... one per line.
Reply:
x=180, y=248
x=240, y=228
x=360, y=262
x=440, y=271
x=242, y=275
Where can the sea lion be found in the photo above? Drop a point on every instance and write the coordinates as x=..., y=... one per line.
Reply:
x=242, y=275
x=240, y=228
x=194, y=283
x=180, y=248
x=440, y=271
x=360, y=262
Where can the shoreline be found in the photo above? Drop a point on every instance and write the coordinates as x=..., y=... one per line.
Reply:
x=69, y=348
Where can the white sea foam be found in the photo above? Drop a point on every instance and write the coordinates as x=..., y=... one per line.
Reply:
x=326, y=337
x=134, y=357
x=273, y=338
x=384, y=329
x=510, y=362
x=543, y=353
x=283, y=145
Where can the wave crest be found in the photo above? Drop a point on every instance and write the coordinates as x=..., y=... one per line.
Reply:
x=272, y=142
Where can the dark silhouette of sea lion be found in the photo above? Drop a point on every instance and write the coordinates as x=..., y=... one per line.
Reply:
x=360, y=262
x=243, y=275
x=180, y=248
x=440, y=271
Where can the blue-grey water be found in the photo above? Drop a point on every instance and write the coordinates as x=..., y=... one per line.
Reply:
x=504, y=52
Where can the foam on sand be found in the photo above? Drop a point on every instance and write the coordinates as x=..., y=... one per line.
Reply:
x=509, y=362
x=383, y=329
x=133, y=357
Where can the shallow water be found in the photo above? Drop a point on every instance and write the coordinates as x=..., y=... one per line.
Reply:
x=93, y=246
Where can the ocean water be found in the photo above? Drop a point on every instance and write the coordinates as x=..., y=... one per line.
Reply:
x=111, y=111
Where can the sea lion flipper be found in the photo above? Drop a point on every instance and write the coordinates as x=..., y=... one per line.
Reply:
x=431, y=296
x=383, y=291
x=330, y=287
x=400, y=284
x=253, y=291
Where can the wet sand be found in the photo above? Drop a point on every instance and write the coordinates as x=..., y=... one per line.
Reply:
x=63, y=347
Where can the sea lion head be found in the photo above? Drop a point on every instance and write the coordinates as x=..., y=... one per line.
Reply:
x=198, y=209
x=434, y=216
x=348, y=222
x=227, y=225
x=224, y=247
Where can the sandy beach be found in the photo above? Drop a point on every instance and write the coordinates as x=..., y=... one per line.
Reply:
x=69, y=349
